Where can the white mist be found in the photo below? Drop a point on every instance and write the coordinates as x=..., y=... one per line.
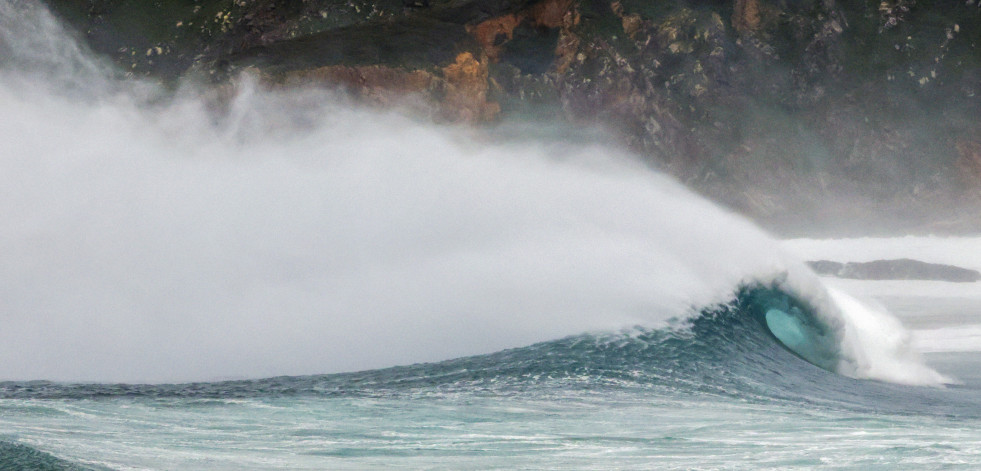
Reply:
x=297, y=234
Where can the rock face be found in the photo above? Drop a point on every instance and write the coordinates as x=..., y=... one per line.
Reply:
x=901, y=269
x=812, y=112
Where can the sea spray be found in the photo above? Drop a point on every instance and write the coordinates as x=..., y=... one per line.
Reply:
x=155, y=240
x=338, y=248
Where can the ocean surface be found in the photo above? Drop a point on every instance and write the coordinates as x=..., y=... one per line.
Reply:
x=281, y=279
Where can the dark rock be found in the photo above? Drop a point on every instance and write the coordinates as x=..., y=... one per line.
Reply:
x=412, y=43
x=850, y=114
x=901, y=269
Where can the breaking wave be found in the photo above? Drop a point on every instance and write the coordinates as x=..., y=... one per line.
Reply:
x=157, y=236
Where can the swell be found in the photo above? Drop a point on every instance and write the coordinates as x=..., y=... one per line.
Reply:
x=720, y=345
x=725, y=344
x=725, y=350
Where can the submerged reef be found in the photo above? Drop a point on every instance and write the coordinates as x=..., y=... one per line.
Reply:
x=844, y=115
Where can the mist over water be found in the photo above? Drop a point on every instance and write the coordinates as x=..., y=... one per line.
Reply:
x=157, y=239
x=156, y=245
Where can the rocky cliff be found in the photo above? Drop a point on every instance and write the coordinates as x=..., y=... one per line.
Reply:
x=846, y=114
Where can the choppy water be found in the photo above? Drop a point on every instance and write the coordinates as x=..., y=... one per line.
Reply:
x=395, y=294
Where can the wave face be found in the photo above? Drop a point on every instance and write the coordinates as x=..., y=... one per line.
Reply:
x=727, y=351
x=698, y=393
x=159, y=236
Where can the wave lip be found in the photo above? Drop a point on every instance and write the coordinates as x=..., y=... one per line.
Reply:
x=877, y=346
x=837, y=332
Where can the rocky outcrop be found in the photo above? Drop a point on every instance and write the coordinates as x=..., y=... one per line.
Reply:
x=796, y=113
x=901, y=269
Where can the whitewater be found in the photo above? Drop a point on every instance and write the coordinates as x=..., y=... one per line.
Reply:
x=263, y=278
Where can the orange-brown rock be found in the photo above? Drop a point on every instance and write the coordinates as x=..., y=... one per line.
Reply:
x=746, y=17
x=466, y=88
x=491, y=33
x=550, y=13
x=458, y=92
x=378, y=84
x=631, y=22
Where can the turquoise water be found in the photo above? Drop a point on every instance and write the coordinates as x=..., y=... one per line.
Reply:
x=385, y=293
x=716, y=392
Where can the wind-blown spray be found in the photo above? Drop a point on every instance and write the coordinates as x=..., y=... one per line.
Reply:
x=296, y=234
